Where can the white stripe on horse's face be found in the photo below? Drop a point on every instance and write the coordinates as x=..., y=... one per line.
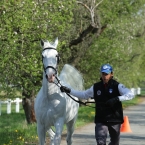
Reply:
x=50, y=59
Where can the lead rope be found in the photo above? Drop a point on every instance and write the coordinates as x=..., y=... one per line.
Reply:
x=85, y=104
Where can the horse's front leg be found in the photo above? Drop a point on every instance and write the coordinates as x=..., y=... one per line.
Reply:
x=58, y=131
x=41, y=133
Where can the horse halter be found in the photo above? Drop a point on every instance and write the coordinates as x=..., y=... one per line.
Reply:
x=58, y=81
x=58, y=58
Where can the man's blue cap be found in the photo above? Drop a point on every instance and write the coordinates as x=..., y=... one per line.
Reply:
x=106, y=68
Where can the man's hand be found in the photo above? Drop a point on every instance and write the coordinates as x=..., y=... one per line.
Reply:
x=112, y=101
x=65, y=89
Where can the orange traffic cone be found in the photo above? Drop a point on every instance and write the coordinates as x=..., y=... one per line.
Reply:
x=125, y=127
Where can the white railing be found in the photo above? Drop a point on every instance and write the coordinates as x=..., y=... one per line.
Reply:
x=9, y=102
x=136, y=91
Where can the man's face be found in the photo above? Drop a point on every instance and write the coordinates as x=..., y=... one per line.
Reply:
x=106, y=77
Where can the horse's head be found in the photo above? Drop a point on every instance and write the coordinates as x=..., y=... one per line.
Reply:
x=50, y=58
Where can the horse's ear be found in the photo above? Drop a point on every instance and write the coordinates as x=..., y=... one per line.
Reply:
x=55, y=42
x=42, y=43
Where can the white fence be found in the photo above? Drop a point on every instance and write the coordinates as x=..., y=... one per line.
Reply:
x=136, y=91
x=9, y=102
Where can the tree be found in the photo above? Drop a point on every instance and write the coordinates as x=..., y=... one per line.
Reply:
x=97, y=31
x=118, y=45
x=23, y=24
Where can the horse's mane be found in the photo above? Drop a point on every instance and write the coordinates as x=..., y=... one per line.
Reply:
x=71, y=77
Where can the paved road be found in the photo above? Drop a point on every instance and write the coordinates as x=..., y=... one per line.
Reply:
x=136, y=116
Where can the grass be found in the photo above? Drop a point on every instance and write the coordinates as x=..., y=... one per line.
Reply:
x=15, y=131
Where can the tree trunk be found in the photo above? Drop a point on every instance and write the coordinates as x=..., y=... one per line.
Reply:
x=28, y=106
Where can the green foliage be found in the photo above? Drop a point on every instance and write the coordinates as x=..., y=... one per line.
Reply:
x=121, y=44
x=24, y=23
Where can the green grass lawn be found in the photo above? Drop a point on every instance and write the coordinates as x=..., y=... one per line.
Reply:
x=15, y=131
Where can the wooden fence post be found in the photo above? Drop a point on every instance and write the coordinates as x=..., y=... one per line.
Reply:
x=9, y=103
x=138, y=91
x=17, y=105
x=9, y=106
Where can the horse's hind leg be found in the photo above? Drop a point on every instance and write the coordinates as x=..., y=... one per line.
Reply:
x=70, y=130
x=41, y=133
x=51, y=135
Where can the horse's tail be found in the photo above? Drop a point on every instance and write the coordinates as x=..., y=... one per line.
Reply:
x=71, y=77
